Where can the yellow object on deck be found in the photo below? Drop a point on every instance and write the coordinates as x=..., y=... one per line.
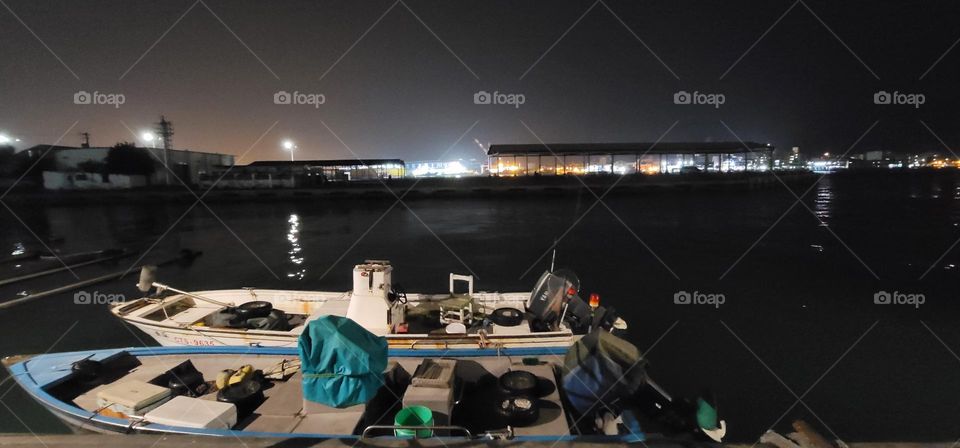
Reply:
x=241, y=375
x=224, y=377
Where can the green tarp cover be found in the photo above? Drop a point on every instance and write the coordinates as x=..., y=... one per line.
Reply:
x=342, y=362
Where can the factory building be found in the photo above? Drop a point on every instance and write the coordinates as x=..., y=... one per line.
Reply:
x=628, y=158
x=304, y=173
x=81, y=167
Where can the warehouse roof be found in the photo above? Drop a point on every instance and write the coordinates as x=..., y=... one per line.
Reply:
x=629, y=148
x=335, y=162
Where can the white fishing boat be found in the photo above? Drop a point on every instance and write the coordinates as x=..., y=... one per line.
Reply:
x=552, y=315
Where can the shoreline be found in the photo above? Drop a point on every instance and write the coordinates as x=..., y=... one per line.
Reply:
x=430, y=188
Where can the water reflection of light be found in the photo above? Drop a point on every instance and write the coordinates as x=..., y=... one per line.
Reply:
x=18, y=249
x=823, y=203
x=293, y=236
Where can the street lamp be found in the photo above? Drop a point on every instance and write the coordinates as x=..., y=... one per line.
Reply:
x=149, y=138
x=4, y=139
x=289, y=146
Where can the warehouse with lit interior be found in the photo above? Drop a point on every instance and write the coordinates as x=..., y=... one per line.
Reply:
x=629, y=158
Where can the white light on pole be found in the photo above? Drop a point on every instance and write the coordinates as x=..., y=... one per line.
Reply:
x=289, y=146
x=149, y=138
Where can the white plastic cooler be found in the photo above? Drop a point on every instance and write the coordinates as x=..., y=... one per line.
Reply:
x=194, y=413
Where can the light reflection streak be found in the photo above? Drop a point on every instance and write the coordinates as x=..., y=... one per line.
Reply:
x=294, y=254
x=824, y=203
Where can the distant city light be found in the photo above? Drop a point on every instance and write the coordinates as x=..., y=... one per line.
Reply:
x=453, y=168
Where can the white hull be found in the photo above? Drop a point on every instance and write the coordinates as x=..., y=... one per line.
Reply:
x=179, y=326
x=171, y=337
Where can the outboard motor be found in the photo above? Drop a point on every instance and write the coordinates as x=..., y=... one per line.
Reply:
x=549, y=295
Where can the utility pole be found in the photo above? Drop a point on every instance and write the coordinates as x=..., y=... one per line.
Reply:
x=86, y=139
x=165, y=131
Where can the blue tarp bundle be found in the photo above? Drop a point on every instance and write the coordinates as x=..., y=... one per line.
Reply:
x=600, y=369
x=342, y=362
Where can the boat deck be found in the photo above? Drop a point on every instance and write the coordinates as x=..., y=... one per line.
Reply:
x=285, y=411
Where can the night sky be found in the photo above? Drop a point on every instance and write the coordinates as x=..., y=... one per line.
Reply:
x=406, y=88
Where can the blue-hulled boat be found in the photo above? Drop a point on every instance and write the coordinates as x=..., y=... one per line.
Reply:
x=344, y=383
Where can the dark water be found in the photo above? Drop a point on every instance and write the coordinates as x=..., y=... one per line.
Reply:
x=796, y=304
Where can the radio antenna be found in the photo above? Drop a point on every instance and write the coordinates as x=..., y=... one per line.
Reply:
x=554, y=258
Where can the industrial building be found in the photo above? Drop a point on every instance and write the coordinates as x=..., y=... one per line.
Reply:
x=337, y=170
x=628, y=158
x=70, y=166
x=304, y=173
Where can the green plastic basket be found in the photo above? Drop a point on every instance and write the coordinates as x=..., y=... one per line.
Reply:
x=414, y=416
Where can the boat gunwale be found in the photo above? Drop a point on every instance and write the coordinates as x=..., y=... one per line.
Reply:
x=190, y=329
x=173, y=325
